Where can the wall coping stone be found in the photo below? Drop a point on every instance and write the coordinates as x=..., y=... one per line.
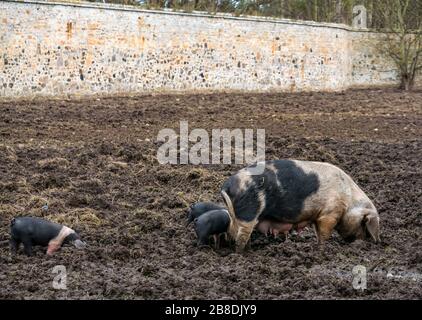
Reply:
x=196, y=14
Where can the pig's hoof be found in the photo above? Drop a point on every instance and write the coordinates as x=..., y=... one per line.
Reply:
x=240, y=250
x=204, y=247
x=320, y=247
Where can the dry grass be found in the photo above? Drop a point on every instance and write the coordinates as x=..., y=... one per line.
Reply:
x=81, y=216
x=53, y=163
x=8, y=152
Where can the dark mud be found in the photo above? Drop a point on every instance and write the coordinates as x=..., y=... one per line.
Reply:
x=94, y=162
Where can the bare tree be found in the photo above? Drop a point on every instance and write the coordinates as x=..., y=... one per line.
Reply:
x=403, y=39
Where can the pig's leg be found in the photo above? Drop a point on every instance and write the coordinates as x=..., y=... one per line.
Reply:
x=14, y=245
x=27, y=247
x=314, y=227
x=202, y=243
x=244, y=234
x=325, y=227
x=216, y=241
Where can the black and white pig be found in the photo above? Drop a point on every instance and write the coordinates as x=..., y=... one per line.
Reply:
x=292, y=194
x=199, y=208
x=213, y=223
x=32, y=231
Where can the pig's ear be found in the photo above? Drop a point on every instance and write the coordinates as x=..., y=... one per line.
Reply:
x=373, y=226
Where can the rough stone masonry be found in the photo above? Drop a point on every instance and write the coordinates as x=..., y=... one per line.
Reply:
x=56, y=49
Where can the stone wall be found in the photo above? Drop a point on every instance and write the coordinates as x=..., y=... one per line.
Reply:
x=55, y=49
x=369, y=68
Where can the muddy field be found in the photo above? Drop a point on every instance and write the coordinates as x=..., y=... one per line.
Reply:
x=94, y=163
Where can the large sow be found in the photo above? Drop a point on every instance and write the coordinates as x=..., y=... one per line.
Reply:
x=291, y=194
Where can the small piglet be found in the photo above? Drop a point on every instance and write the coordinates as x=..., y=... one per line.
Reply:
x=212, y=223
x=33, y=231
x=199, y=208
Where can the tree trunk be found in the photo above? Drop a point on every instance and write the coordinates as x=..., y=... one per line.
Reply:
x=281, y=8
x=370, y=13
x=309, y=15
x=315, y=13
x=407, y=82
x=339, y=7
